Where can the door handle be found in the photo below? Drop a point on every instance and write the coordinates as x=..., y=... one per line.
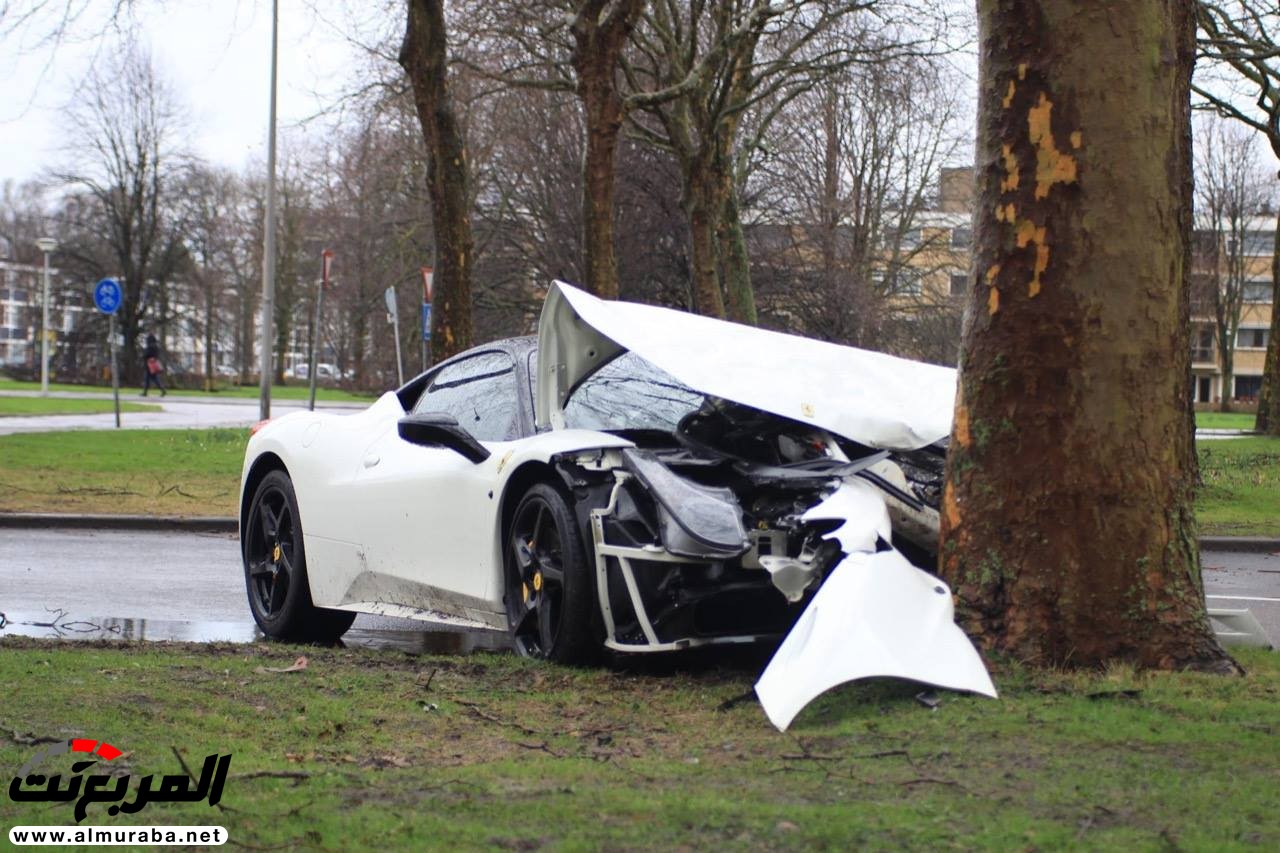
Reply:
x=371, y=460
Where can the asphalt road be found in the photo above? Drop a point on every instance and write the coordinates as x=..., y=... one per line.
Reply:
x=190, y=586
x=161, y=586
x=176, y=412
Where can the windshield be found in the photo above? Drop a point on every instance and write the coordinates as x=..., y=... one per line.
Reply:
x=630, y=393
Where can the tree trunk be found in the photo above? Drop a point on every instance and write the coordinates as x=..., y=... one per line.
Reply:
x=1068, y=532
x=423, y=55
x=734, y=261
x=600, y=34
x=701, y=206
x=600, y=262
x=1268, y=420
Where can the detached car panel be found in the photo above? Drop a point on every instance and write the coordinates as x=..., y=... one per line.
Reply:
x=637, y=479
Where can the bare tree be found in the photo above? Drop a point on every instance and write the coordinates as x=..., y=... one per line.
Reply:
x=125, y=151
x=1231, y=189
x=424, y=57
x=1068, y=532
x=1244, y=37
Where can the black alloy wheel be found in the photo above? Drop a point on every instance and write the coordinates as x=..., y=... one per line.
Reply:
x=275, y=568
x=550, y=596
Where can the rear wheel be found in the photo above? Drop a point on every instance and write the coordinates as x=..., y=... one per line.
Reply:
x=550, y=595
x=275, y=568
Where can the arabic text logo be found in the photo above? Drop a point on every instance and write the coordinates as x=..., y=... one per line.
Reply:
x=30, y=786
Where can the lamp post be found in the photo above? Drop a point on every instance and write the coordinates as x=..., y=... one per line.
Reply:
x=269, y=235
x=48, y=245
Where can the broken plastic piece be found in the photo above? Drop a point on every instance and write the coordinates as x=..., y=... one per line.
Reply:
x=876, y=615
x=791, y=576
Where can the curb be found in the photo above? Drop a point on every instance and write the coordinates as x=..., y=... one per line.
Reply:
x=174, y=524
x=1250, y=544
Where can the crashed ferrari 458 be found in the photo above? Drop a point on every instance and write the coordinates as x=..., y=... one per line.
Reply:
x=636, y=479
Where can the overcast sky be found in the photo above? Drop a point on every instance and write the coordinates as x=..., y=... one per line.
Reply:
x=214, y=53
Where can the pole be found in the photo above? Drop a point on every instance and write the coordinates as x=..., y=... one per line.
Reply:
x=115, y=376
x=269, y=235
x=395, y=324
x=44, y=333
x=315, y=342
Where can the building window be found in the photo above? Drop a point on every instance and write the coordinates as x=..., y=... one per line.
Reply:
x=1259, y=243
x=1203, y=392
x=911, y=239
x=961, y=238
x=1257, y=291
x=1248, y=387
x=1202, y=346
x=959, y=284
x=1252, y=338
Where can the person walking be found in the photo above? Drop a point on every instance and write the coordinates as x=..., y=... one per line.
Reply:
x=151, y=366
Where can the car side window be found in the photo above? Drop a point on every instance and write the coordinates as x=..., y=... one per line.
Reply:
x=480, y=392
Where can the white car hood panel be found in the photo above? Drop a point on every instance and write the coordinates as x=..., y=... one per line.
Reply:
x=872, y=398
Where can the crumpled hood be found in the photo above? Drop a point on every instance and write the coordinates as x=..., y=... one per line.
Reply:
x=875, y=399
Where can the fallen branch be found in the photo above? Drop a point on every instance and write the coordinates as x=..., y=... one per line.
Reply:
x=30, y=739
x=485, y=715
x=297, y=775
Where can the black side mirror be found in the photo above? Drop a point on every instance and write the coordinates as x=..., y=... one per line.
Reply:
x=437, y=429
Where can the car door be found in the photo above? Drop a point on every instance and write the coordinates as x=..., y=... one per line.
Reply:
x=427, y=515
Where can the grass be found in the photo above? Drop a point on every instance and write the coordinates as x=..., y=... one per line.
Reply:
x=161, y=472
x=1225, y=420
x=1241, y=491
x=27, y=406
x=381, y=750
x=278, y=392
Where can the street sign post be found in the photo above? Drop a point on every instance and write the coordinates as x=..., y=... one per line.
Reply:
x=106, y=296
x=427, y=275
x=326, y=263
x=393, y=317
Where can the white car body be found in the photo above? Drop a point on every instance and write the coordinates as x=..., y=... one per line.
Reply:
x=400, y=529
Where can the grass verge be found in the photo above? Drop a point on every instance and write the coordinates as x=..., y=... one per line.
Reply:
x=371, y=750
x=160, y=472
x=39, y=406
x=278, y=392
x=1241, y=491
x=1225, y=420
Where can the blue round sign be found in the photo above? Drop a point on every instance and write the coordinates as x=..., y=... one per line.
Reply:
x=106, y=295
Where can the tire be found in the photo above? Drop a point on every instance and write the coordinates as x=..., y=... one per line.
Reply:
x=275, y=569
x=550, y=590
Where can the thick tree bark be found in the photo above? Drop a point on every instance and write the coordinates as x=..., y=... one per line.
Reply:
x=1268, y=419
x=701, y=200
x=423, y=55
x=1068, y=531
x=599, y=39
x=740, y=297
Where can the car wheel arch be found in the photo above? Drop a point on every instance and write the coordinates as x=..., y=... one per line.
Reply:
x=262, y=466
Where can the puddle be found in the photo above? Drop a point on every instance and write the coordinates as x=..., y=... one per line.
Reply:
x=44, y=625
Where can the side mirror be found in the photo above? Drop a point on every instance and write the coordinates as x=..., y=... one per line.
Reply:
x=437, y=429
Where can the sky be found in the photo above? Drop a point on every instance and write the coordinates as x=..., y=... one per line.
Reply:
x=215, y=54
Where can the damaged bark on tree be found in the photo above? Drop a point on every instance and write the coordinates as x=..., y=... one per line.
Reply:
x=424, y=57
x=1068, y=532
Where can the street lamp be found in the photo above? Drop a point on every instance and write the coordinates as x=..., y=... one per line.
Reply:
x=48, y=245
x=269, y=234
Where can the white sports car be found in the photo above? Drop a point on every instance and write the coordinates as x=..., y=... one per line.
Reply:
x=637, y=479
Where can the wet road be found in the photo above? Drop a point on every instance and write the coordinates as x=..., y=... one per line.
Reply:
x=191, y=586
x=162, y=586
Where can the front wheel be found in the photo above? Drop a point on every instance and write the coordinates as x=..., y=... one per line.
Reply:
x=550, y=596
x=275, y=568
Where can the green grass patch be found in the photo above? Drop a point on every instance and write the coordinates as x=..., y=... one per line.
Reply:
x=163, y=472
x=1225, y=420
x=278, y=392
x=383, y=750
x=1241, y=491
x=35, y=406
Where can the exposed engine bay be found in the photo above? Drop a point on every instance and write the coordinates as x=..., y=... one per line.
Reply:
x=709, y=535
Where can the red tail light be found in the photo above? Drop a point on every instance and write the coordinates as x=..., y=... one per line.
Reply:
x=253, y=430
